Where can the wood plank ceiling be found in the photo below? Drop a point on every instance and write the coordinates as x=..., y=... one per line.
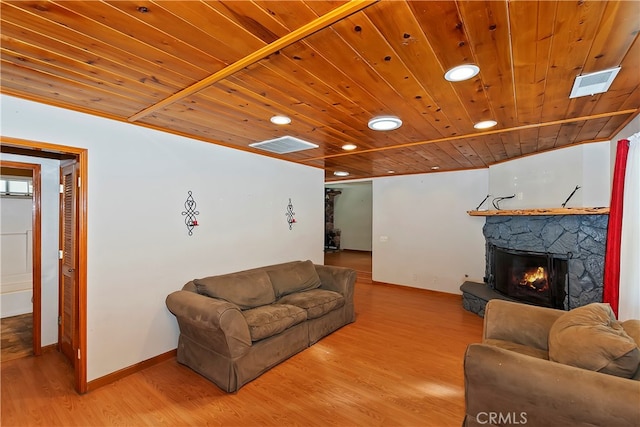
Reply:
x=218, y=70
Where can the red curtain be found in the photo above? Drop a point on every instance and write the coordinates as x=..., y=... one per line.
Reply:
x=614, y=232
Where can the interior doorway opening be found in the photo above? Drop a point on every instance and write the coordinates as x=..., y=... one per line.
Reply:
x=21, y=268
x=37, y=149
x=349, y=226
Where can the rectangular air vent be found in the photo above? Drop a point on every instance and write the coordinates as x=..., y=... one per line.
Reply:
x=283, y=145
x=591, y=84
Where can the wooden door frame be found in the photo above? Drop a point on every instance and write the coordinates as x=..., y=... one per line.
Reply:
x=82, y=156
x=36, y=249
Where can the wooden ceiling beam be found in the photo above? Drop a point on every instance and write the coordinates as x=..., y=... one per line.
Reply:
x=479, y=134
x=314, y=26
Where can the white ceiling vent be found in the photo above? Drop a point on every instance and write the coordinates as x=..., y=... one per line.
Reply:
x=590, y=84
x=283, y=145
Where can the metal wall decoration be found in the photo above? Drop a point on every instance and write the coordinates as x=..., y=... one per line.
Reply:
x=571, y=195
x=190, y=213
x=290, y=215
x=482, y=202
x=497, y=200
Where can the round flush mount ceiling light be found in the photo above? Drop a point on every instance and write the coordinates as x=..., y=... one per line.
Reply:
x=461, y=72
x=385, y=123
x=349, y=147
x=341, y=173
x=486, y=124
x=280, y=120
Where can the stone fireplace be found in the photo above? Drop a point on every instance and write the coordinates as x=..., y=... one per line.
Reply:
x=569, y=249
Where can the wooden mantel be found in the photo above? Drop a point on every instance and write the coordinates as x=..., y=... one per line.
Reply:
x=542, y=211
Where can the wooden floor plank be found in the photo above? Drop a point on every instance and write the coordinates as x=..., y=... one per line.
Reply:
x=17, y=336
x=358, y=260
x=399, y=364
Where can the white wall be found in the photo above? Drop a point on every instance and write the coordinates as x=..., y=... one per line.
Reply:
x=138, y=247
x=49, y=211
x=16, y=248
x=630, y=129
x=422, y=234
x=353, y=215
x=546, y=180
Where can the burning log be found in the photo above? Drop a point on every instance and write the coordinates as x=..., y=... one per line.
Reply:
x=536, y=280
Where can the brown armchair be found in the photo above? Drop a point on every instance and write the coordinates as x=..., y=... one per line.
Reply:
x=509, y=379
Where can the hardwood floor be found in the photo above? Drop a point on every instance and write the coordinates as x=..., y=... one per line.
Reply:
x=17, y=337
x=399, y=364
x=358, y=260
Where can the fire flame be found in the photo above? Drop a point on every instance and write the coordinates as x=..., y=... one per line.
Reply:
x=536, y=279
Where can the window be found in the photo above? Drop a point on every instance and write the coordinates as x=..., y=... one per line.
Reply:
x=16, y=186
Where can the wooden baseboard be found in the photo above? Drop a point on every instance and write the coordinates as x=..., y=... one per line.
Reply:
x=114, y=376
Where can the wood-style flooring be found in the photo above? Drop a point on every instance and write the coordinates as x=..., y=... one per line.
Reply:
x=358, y=260
x=399, y=364
x=17, y=337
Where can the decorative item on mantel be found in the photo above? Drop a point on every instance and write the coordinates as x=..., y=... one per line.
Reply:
x=497, y=200
x=571, y=195
x=190, y=213
x=290, y=215
x=482, y=202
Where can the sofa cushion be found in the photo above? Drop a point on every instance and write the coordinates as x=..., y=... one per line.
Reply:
x=246, y=290
x=590, y=337
x=518, y=348
x=268, y=320
x=316, y=302
x=299, y=276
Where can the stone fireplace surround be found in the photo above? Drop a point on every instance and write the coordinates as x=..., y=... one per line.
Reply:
x=580, y=238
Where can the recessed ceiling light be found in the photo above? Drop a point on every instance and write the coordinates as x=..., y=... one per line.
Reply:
x=341, y=173
x=435, y=168
x=280, y=120
x=485, y=124
x=349, y=147
x=385, y=123
x=390, y=171
x=461, y=72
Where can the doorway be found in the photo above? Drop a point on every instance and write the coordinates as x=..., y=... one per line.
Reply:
x=349, y=226
x=21, y=248
x=47, y=150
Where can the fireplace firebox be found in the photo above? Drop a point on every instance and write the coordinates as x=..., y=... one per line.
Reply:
x=530, y=277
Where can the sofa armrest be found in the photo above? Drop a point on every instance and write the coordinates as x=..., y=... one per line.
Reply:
x=338, y=279
x=524, y=324
x=537, y=392
x=213, y=323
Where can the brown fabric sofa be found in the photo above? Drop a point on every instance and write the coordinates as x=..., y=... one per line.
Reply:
x=510, y=380
x=236, y=326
